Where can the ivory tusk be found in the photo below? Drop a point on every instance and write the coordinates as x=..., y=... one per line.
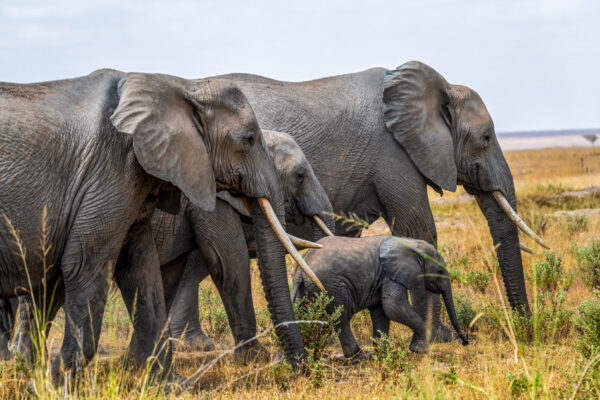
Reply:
x=304, y=243
x=244, y=200
x=525, y=248
x=322, y=225
x=286, y=242
x=512, y=214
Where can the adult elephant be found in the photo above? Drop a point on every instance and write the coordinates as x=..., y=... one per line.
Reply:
x=377, y=138
x=225, y=242
x=218, y=243
x=94, y=155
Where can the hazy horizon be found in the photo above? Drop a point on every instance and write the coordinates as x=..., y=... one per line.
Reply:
x=534, y=63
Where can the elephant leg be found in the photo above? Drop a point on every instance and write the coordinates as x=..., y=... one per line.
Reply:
x=86, y=277
x=8, y=309
x=380, y=321
x=27, y=338
x=221, y=241
x=183, y=312
x=414, y=219
x=394, y=298
x=139, y=278
x=349, y=346
x=429, y=306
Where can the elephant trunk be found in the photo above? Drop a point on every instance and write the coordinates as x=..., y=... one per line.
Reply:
x=271, y=261
x=449, y=303
x=506, y=237
x=315, y=205
x=326, y=219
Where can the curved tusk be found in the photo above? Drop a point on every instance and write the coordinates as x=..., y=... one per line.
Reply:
x=512, y=214
x=525, y=248
x=304, y=243
x=322, y=225
x=285, y=241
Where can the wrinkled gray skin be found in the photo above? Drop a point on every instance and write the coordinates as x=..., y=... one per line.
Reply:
x=375, y=273
x=8, y=312
x=377, y=138
x=223, y=241
x=218, y=243
x=99, y=153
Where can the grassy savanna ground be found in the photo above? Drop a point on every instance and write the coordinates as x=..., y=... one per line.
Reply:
x=508, y=356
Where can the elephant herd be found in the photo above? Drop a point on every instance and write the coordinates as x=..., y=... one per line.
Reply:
x=155, y=182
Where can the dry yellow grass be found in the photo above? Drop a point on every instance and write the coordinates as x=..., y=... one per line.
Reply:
x=480, y=370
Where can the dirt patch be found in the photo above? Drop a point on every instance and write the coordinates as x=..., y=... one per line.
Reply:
x=461, y=198
x=585, y=212
x=590, y=190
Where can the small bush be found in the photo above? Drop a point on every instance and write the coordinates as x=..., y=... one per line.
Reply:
x=589, y=264
x=549, y=275
x=587, y=322
x=551, y=319
x=390, y=356
x=212, y=313
x=520, y=384
x=478, y=280
x=464, y=310
x=576, y=224
x=317, y=337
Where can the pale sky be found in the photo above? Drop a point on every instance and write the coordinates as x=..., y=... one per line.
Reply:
x=536, y=64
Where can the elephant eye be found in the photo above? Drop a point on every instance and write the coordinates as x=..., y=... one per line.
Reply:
x=249, y=138
x=300, y=177
x=487, y=137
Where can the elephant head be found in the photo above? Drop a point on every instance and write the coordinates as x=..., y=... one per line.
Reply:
x=411, y=263
x=449, y=135
x=303, y=194
x=202, y=136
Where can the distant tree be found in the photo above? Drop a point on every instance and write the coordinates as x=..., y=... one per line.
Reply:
x=590, y=138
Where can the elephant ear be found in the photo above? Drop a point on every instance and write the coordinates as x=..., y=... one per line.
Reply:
x=415, y=98
x=157, y=111
x=401, y=263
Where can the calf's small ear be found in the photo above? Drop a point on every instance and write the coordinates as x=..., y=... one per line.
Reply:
x=401, y=263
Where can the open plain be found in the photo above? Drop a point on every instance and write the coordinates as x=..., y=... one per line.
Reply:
x=546, y=356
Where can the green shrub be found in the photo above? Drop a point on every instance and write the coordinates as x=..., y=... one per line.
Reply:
x=520, y=384
x=550, y=320
x=317, y=337
x=577, y=223
x=478, y=280
x=549, y=275
x=389, y=356
x=212, y=313
x=587, y=322
x=589, y=264
x=464, y=310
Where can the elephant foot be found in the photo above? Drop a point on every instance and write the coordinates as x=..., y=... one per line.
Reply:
x=252, y=352
x=441, y=334
x=359, y=357
x=5, y=354
x=198, y=342
x=417, y=345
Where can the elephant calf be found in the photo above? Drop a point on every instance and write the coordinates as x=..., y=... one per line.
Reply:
x=375, y=273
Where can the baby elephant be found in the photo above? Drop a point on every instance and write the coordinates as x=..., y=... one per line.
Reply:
x=375, y=273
